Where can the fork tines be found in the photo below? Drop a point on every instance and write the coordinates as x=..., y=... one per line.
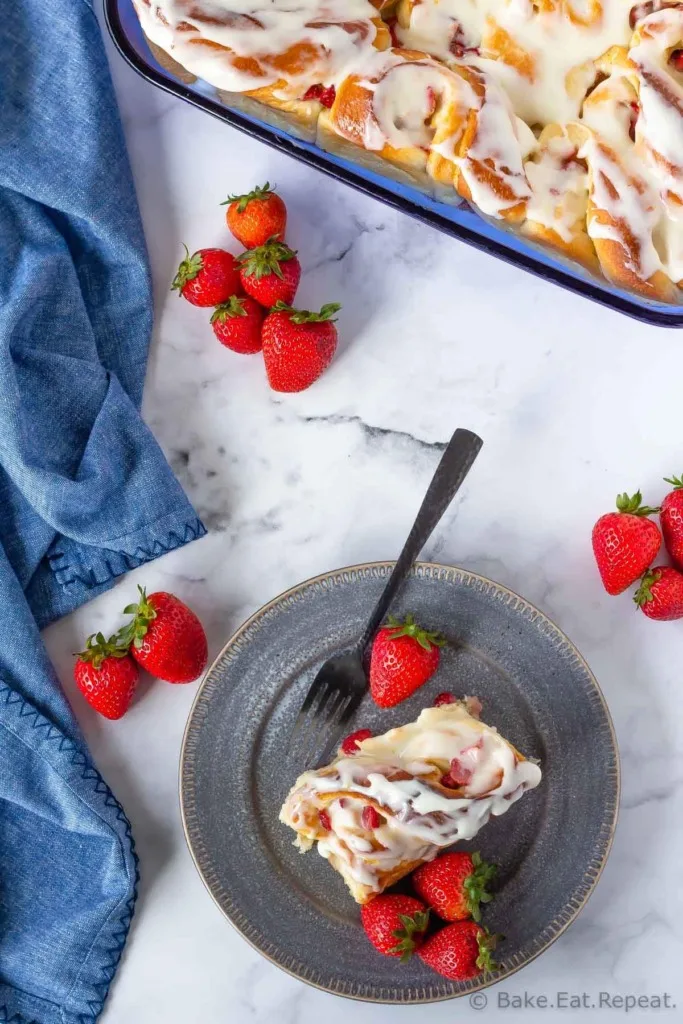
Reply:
x=322, y=719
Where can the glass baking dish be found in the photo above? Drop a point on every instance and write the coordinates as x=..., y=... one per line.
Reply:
x=459, y=220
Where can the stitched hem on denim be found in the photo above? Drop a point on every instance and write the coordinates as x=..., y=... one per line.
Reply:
x=71, y=763
x=74, y=573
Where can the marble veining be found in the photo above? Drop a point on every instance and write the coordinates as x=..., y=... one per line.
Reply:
x=574, y=403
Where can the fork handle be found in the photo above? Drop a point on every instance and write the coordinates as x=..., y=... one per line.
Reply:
x=454, y=466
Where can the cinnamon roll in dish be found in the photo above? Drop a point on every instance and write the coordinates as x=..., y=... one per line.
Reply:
x=562, y=118
x=405, y=796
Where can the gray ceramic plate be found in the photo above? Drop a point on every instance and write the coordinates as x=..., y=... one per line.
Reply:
x=534, y=686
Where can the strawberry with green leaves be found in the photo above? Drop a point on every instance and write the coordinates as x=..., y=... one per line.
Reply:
x=106, y=675
x=404, y=656
x=395, y=924
x=237, y=324
x=671, y=519
x=207, y=277
x=165, y=637
x=625, y=543
x=270, y=273
x=660, y=594
x=460, y=951
x=256, y=216
x=455, y=885
x=298, y=345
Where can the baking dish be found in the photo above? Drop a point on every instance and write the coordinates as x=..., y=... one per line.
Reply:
x=457, y=220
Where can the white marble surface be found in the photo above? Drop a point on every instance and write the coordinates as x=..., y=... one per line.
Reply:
x=574, y=403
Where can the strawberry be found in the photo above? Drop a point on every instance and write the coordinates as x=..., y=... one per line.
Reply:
x=459, y=951
x=270, y=273
x=404, y=656
x=444, y=698
x=671, y=520
x=165, y=637
x=660, y=594
x=454, y=885
x=676, y=59
x=371, y=818
x=625, y=543
x=324, y=95
x=349, y=745
x=106, y=676
x=237, y=324
x=256, y=216
x=208, y=277
x=298, y=345
x=395, y=924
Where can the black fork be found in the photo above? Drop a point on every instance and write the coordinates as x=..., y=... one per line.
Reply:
x=340, y=685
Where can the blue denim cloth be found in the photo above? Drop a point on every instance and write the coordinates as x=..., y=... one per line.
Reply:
x=85, y=494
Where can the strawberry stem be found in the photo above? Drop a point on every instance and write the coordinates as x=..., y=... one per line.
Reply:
x=643, y=594
x=409, y=627
x=227, y=310
x=476, y=885
x=633, y=505
x=487, y=943
x=188, y=270
x=143, y=614
x=260, y=192
x=305, y=316
x=675, y=481
x=97, y=648
x=265, y=259
x=412, y=927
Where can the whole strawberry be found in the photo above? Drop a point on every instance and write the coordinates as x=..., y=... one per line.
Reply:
x=237, y=324
x=270, y=273
x=208, y=277
x=106, y=676
x=395, y=924
x=459, y=951
x=660, y=594
x=404, y=656
x=165, y=637
x=625, y=543
x=671, y=519
x=298, y=345
x=256, y=216
x=454, y=885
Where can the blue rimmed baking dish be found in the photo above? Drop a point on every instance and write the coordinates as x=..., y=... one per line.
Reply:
x=459, y=221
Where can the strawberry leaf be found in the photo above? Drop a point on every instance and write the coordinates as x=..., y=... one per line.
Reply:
x=265, y=259
x=487, y=943
x=633, y=505
x=475, y=885
x=228, y=310
x=675, y=481
x=97, y=648
x=305, y=316
x=412, y=928
x=188, y=270
x=135, y=631
x=643, y=594
x=260, y=192
x=425, y=638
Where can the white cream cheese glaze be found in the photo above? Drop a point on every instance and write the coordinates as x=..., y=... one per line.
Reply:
x=542, y=62
x=398, y=774
x=332, y=38
x=556, y=38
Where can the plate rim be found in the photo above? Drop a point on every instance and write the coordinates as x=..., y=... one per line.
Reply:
x=593, y=870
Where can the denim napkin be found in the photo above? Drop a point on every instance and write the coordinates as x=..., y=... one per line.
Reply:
x=85, y=494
